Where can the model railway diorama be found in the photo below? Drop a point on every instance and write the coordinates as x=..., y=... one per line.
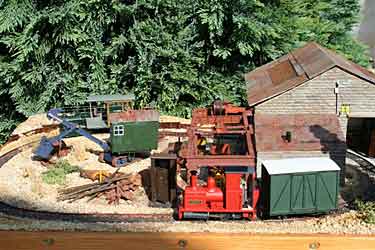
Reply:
x=106, y=161
x=210, y=172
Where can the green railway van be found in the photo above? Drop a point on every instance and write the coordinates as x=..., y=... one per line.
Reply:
x=134, y=136
x=299, y=186
x=136, y=133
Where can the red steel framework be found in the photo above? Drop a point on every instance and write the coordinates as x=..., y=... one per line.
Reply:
x=222, y=119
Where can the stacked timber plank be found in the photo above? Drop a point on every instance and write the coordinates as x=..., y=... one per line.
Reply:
x=118, y=186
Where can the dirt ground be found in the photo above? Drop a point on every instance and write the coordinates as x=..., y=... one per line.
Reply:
x=21, y=184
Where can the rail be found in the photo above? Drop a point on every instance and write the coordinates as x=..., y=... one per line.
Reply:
x=363, y=161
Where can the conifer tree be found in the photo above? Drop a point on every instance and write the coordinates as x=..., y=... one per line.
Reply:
x=179, y=54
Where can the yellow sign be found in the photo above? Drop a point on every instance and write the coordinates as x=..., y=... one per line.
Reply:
x=345, y=109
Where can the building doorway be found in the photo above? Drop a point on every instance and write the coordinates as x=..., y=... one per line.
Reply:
x=361, y=135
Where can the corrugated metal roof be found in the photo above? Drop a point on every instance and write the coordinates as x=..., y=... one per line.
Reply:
x=300, y=165
x=110, y=98
x=296, y=68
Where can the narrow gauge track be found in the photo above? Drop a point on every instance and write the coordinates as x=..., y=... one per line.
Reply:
x=9, y=155
x=12, y=211
x=364, y=163
x=23, y=213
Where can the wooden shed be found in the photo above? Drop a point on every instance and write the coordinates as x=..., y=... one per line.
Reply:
x=313, y=102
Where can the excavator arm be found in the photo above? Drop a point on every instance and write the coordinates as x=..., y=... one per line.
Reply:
x=46, y=146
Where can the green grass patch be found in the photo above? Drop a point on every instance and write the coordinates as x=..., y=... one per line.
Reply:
x=366, y=211
x=57, y=174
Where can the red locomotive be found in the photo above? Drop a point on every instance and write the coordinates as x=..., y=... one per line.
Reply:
x=220, y=141
x=204, y=201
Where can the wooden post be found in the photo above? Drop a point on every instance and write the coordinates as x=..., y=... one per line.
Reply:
x=90, y=109
x=107, y=104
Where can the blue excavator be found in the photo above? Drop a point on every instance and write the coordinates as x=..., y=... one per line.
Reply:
x=120, y=154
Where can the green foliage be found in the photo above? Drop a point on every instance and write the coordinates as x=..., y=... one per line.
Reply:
x=179, y=54
x=57, y=174
x=366, y=210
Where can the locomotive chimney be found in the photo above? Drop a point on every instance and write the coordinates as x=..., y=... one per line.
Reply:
x=211, y=183
x=193, y=179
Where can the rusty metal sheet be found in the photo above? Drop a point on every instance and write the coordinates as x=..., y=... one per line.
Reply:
x=273, y=79
x=135, y=115
x=282, y=72
x=316, y=60
x=351, y=67
x=313, y=59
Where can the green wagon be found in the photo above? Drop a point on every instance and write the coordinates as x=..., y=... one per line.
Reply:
x=299, y=186
x=134, y=137
x=134, y=131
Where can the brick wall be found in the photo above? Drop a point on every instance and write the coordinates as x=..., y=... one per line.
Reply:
x=317, y=97
x=311, y=135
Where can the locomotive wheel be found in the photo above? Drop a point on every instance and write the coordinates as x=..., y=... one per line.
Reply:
x=119, y=161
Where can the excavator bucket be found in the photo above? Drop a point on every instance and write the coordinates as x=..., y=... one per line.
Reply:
x=44, y=150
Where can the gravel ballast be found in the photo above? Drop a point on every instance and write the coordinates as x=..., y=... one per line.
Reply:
x=347, y=223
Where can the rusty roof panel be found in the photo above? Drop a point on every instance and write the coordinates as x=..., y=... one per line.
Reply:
x=295, y=68
x=261, y=88
x=270, y=79
x=281, y=72
x=313, y=59
x=351, y=67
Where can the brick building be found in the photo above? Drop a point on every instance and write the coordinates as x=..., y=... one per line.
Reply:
x=312, y=102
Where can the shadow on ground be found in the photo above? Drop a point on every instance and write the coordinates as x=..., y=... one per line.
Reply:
x=358, y=185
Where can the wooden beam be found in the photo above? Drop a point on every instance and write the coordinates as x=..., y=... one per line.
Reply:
x=220, y=160
x=180, y=241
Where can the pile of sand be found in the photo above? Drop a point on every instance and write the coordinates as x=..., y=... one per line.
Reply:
x=32, y=123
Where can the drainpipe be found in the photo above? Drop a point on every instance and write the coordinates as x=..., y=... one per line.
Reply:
x=337, y=98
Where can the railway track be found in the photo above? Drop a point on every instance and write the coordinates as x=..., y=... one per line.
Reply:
x=12, y=211
x=16, y=212
x=364, y=162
